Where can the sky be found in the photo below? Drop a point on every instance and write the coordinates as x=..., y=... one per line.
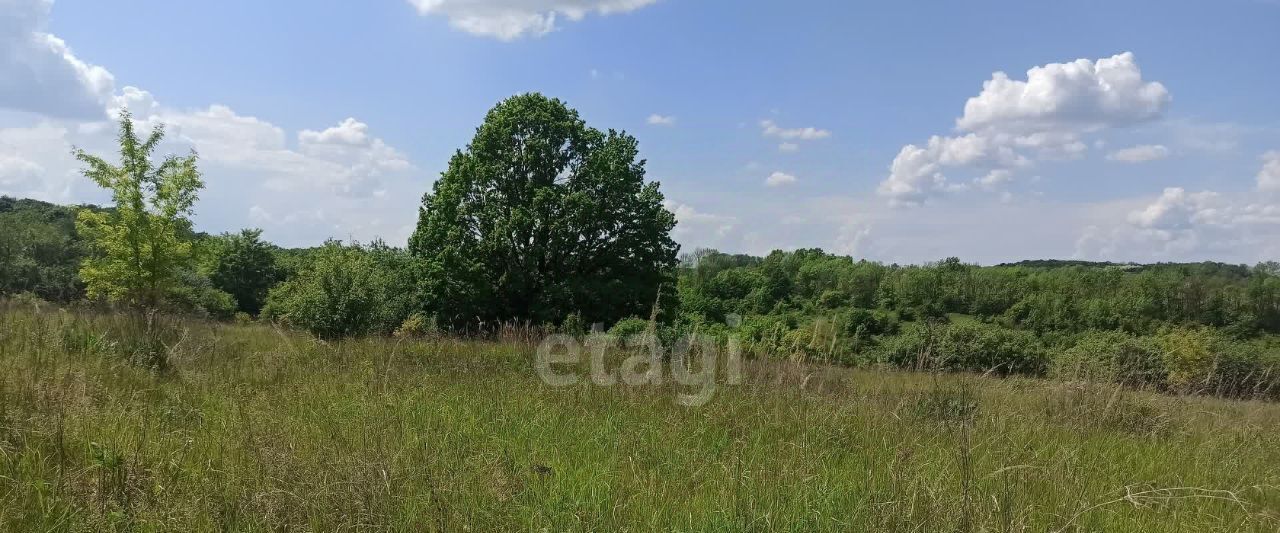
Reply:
x=893, y=131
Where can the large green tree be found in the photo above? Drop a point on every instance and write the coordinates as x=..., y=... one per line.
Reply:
x=542, y=216
x=142, y=247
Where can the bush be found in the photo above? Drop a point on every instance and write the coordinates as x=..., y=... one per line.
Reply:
x=868, y=321
x=28, y=299
x=573, y=325
x=1244, y=369
x=347, y=290
x=982, y=347
x=629, y=327
x=818, y=340
x=1189, y=357
x=215, y=303
x=969, y=346
x=417, y=325
x=1113, y=357
x=911, y=348
x=763, y=334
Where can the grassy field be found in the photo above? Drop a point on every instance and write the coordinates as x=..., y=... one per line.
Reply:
x=251, y=428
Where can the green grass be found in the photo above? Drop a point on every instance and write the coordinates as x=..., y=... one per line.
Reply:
x=251, y=428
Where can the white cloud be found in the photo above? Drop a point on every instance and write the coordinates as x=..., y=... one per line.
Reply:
x=661, y=120
x=349, y=132
x=36, y=161
x=1012, y=124
x=851, y=238
x=39, y=73
x=779, y=178
x=771, y=129
x=788, y=147
x=697, y=228
x=916, y=173
x=1182, y=225
x=1175, y=209
x=1083, y=95
x=17, y=173
x=339, y=181
x=344, y=158
x=1269, y=176
x=511, y=19
x=1140, y=153
x=995, y=178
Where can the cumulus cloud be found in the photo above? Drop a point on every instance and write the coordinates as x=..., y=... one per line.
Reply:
x=1012, y=124
x=661, y=120
x=1183, y=225
x=18, y=173
x=511, y=19
x=771, y=129
x=917, y=171
x=851, y=238
x=346, y=177
x=1081, y=95
x=344, y=158
x=39, y=73
x=1176, y=209
x=36, y=161
x=1140, y=153
x=778, y=179
x=1269, y=176
x=788, y=147
x=349, y=132
x=693, y=226
x=995, y=178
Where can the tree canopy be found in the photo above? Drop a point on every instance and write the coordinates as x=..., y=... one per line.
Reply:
x=541, y=216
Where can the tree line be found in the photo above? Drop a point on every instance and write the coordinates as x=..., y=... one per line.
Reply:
x=544, y=221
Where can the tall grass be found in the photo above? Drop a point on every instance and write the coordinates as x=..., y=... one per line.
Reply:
x=252, y=428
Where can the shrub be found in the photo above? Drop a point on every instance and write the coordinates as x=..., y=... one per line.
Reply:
x=347, y=290
x=194, y=294
x=911, y=348
x=28, y=299
x=573, y=324
x=215, y=303
x=628, y=327
x=1113, y=357
x=816, y=341
x=1245, y=369
x=970, y=346
x=982, y=347
x=763, y=335
x=1189, y=356
x=869, y=321
x=832, y=299
x=417, y=325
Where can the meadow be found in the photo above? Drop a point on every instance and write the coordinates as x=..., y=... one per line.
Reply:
x=115, y=421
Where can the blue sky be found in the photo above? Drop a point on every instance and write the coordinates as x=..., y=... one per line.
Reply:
x=769, y=124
